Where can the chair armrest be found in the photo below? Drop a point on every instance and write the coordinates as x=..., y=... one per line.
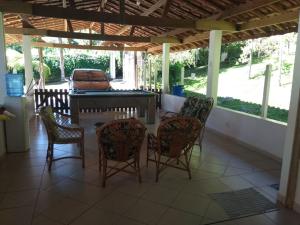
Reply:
x=80, y=129
x=65, y=115
x=168, y=114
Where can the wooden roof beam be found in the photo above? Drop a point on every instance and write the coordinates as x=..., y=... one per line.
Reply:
x=87, y=47
x=92, y=16
x=87, y=36
x=272, y=20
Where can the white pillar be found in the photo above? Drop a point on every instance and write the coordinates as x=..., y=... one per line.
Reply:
x=3, y=70
x=62, y=62
x=215, y=42
x=182, y=76
x=265, y=102
x=29, y=82
x=112, y=65
x=3, y=66
x=290, y=131
x=165, y=67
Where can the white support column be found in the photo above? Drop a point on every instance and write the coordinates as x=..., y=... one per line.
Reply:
x=62, y=62
x=182, y=76
x=165, y=67
x=29, y=82
x=290, y=131
x=215, y=42
x=265, y=102
x=3, y=66
x=112, y=65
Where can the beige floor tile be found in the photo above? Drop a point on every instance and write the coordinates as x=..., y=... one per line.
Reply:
x=122, y=220
x=133, y=187
x=83, y=192
x=117, y=202
x=163, y=195
x=146, y=212
x=202, y=174
x=24, y=183
x=65, y=211
x=236, y=182
x=18, y=199
x=213, y=168
x=46, y=200
x=215, y=213
x=96, y=217
x=232, y=171
x=87, y=175
x=192, y=203
x=176, y=217
x=42, y=220
x=206, y=186
x=260, y=179
x=16, y=216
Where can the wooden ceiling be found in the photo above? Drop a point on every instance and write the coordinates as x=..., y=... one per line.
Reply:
x=253, y=19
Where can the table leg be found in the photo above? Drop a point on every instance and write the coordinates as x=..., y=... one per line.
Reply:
x=141, y=111
x=151, y=109
x=74, y=111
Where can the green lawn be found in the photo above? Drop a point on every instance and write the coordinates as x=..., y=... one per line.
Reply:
x=247, y=107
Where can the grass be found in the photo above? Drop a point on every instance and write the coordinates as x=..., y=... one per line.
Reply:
x=247, y=107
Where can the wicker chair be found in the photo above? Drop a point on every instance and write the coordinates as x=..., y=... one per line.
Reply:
x=59, y=131
x=175, y=139
x=120, y=141
x=195, y=107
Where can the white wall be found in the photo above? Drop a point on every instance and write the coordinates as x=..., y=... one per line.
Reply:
x=261, y=134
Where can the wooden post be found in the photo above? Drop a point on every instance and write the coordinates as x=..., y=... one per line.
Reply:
x=29, y=82
x=41, y=70
x=265, y=101
x=165, y=67
x=215, y=41
x=62, y=62
x=182, y=76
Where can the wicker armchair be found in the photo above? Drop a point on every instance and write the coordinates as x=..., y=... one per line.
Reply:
x=195, y=107
x=175, y=139
x=120, y=141
x=59, y=131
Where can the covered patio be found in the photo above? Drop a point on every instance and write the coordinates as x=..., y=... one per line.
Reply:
x=239, y=151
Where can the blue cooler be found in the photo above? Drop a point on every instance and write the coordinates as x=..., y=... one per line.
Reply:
x=14, y=84
x=178, y=90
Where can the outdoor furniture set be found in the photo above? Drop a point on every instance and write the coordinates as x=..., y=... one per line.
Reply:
x=121, y=140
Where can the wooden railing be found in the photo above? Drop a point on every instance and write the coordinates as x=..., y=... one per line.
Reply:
x=58, y=99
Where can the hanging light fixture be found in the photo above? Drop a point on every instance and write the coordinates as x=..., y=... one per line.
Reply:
x=138, y=3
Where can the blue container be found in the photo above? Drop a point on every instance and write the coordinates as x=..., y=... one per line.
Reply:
x=178, y=90
x=14, y=84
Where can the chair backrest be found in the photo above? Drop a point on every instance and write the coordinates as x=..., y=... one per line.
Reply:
x=121, y=139
x=204, y=106
x=178, y=134
x=49, y=121
x=197, y=107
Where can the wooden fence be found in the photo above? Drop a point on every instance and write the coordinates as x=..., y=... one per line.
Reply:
x=58, y=99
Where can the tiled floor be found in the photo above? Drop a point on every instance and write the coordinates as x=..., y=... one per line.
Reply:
x=29, y=194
